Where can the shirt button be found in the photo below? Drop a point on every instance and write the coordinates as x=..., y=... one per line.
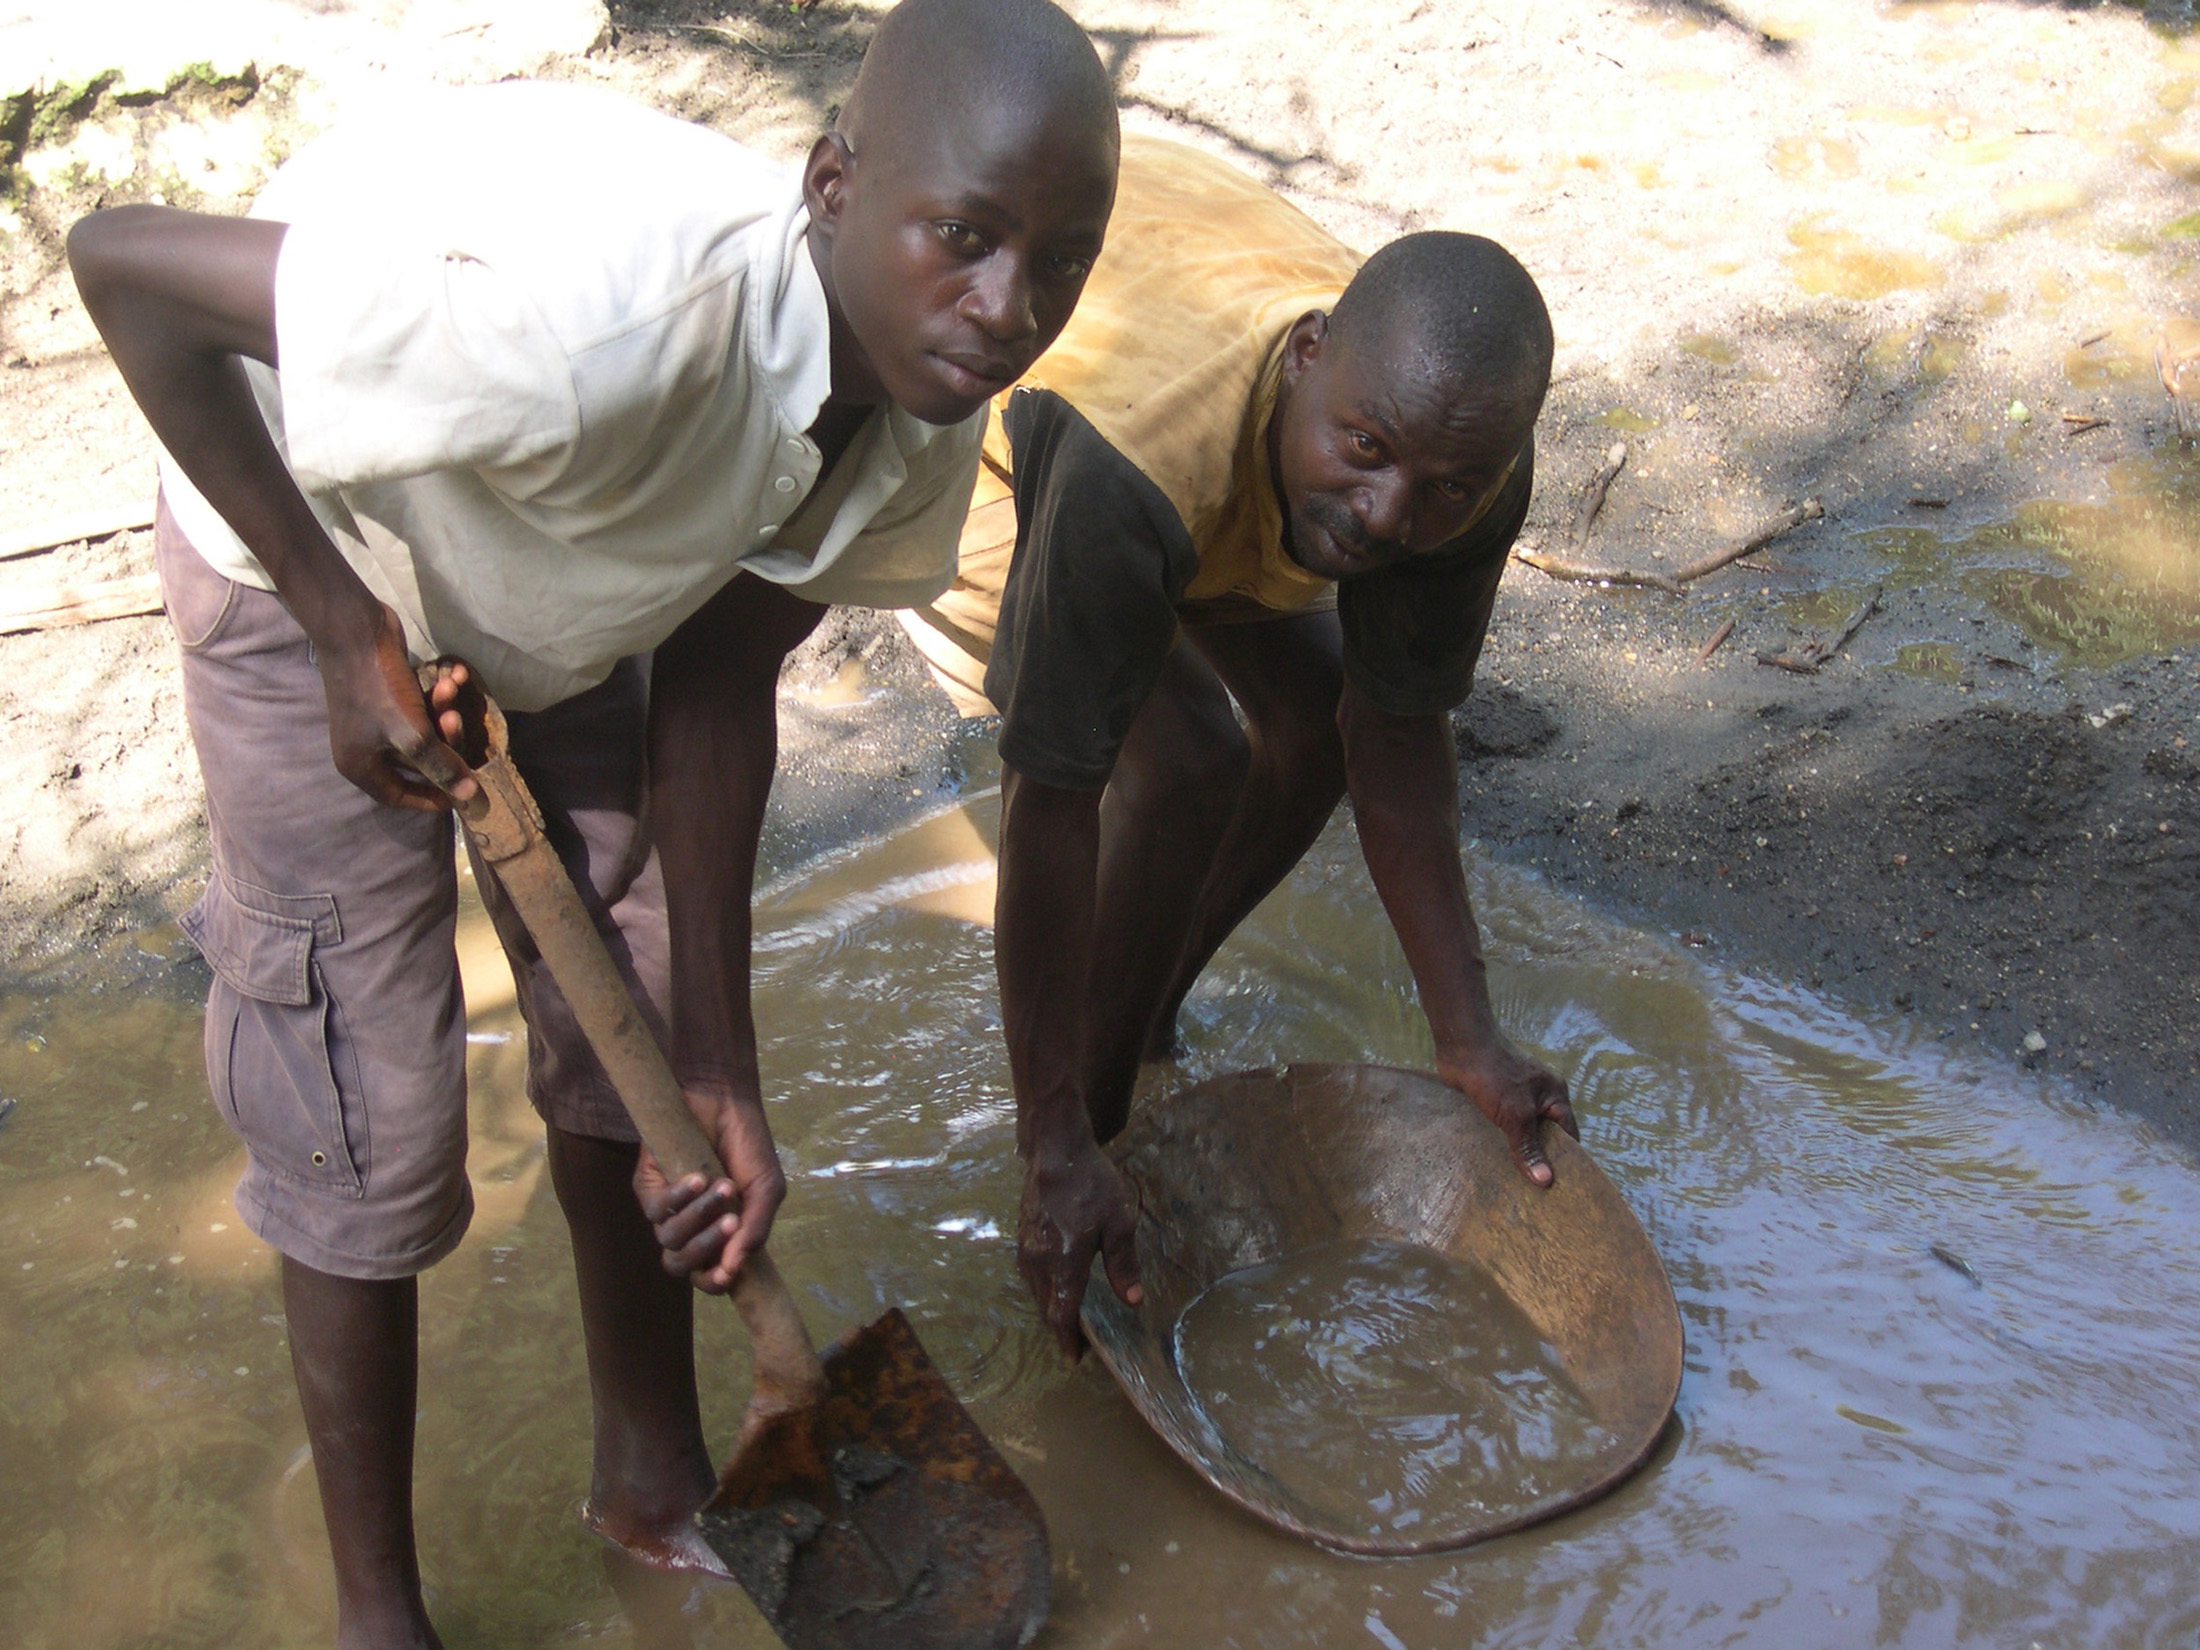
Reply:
x=785, y=484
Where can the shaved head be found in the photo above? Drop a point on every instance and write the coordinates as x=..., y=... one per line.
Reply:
x=1454, y=310
x=934, y=61
x=958, y=205
x=1404, y=412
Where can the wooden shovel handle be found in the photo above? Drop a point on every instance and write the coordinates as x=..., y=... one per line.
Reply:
x=505, y=828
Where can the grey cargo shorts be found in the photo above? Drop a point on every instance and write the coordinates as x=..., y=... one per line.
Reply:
x=335, y=1033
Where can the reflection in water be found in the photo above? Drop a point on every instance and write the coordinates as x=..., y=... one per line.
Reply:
x=2096, y=584
x=1871, y=1449
x=1383, y=1383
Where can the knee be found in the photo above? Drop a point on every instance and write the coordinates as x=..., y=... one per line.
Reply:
x=1302, y=755
x=1203, y=766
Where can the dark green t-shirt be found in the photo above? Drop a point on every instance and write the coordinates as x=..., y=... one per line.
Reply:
x=1090, y=609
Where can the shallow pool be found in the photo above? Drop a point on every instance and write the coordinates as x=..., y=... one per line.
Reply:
x=1942, y=1324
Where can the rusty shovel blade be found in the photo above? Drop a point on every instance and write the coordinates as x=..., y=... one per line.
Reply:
x=879, y=1518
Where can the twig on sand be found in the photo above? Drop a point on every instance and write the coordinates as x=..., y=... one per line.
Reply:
x=1718, y=640
x=1675, y=583
x=1807, y=662
x=1785, y=522
x=1573, y=572
x=1592, y=496
x=755, y=48
x=2081, y=422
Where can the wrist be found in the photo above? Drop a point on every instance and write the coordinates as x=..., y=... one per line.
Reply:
x=1053, y=1137
x=722, y=1088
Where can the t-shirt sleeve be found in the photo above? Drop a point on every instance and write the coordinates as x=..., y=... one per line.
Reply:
x=1413, y=632
x=398, y=360
x=1088, y=614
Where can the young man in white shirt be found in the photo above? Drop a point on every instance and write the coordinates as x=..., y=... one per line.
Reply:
x=554, y=384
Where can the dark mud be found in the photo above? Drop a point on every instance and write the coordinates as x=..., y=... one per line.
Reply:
x=1989, y=861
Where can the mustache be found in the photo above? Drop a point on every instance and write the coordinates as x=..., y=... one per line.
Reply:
x=1337, y=520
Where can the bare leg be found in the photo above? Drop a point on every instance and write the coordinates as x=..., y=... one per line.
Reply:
x=1171, y=798
x=1287, y=675
x=652, y=1469
x=354, y=1348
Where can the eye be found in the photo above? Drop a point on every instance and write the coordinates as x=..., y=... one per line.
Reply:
x=1069, y=269
x=1455, y=491
x=960, y=238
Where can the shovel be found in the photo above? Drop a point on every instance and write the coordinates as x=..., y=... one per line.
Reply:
x=862, y=1508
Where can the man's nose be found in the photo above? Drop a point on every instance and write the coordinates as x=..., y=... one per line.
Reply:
x=1000, y=300
x=1386, y=510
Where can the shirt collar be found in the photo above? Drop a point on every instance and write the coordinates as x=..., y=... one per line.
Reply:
x=793, y=337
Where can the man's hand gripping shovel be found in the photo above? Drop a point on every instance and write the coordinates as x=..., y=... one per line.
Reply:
x=862, y=1508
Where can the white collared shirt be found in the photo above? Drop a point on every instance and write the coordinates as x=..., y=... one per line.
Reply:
x=547, y=361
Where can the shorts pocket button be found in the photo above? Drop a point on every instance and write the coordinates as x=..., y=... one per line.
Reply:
x=320, y=1159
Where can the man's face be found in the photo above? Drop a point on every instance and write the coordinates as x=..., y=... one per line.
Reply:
x=1377, y=458
x=955, y=256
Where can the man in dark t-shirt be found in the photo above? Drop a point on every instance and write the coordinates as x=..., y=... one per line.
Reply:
x=1251, y=469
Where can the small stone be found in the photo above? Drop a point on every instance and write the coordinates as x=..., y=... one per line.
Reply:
x=2019, y=413
x=2034, y=1043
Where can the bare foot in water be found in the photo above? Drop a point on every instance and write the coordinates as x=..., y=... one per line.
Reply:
x=678, y=1547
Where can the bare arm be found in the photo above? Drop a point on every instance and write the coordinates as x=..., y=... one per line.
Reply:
x=180, y=299
x=713, y=743
x=1403, y=775
x=1074, y=1203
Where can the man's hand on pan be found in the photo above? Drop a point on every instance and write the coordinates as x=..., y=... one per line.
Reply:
x=1517, y=1093
x=1075, y=1206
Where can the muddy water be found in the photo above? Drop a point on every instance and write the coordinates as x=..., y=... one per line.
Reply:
x=2090, y=584
x=1874, y=1446
x=1386, y=1385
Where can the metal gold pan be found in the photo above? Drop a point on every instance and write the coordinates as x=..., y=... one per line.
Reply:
x=1249, y=1168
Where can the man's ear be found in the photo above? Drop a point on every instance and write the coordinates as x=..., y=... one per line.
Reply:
x=825, y=180
x=1302, y=345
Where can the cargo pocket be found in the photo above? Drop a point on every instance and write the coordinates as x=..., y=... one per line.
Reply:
x=278, y=1056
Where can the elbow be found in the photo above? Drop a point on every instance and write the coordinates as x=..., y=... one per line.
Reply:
x=102, y=246
x=88, y=247
x=95, y=248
